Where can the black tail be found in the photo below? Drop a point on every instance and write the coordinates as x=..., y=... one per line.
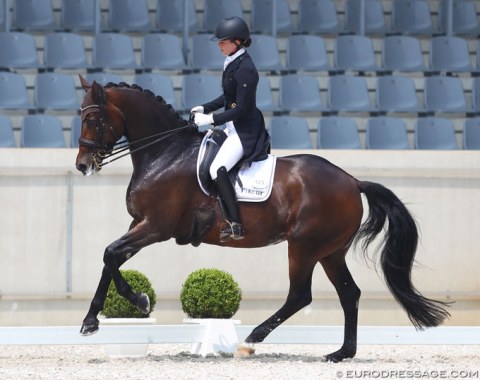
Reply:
x=398, y=253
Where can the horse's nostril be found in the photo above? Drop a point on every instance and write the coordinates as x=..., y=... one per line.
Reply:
x=82, y=168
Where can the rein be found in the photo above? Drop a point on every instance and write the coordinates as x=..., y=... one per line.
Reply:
x=101, y=152
x=123, y=146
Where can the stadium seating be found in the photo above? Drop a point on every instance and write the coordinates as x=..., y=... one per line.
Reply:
x=55, y=91
x=7, y=138
x=114, y=51
x=306, y=52
x=435, y=133
x=386, y=133
x=41, y=131
x=471, y=134
x=64, y=51
x=261, y=16
x=129, y=16
x=349, y=94
x=289, y=132
x=374, y=22
x=338, y=132
x=170, y=18
x=318, y=16
x=22, y=51
x=396, y=94
x=78, y=15
x=13, y=92
x=299, y=93
x=162, y=51
x=33, y=15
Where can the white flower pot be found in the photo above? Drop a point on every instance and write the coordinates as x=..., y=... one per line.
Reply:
x=220, y=336
x=126, y=350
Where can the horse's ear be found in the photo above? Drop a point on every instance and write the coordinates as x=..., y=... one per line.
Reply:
x=96, y=90
x=86, y=86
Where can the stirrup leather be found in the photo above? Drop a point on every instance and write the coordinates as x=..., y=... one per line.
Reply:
x=231, y=230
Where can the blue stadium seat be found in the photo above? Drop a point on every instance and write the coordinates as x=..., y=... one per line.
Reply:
x=318, y=16
x=114, y=51
x=306, y=52
x=159, y=84
x=471, y=134
x=2, y=18
x=33, y=15
x=476, y=94
x=78, y=15
x=348, y=93
x=205, y=54
x=7, y=138
x=64, y=51
x=13, y=92
x=289, y=132
x=75, y=131
x=261, y=16
x=465, y=20
x=265, y=54
x=354, y=53
x=198, y=89
x=265, y=100
x=162, y=51
x=299, y=93
x=374, y=22
x=412, y=17
x=337, y=132
x=444, y=94
x=435, y=133
x=55, y=91
x=103, y=78
x=386, y=133
x=170, y=16
x=215, y=11
x=449, y=54
x=129, y=16
x=22, y=51
x=402, y=53
x=396, y=94
x=42, y=131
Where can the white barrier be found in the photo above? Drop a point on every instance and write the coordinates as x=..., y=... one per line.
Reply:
x=159, y=334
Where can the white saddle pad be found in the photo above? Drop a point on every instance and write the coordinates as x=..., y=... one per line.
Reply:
x=254, y=182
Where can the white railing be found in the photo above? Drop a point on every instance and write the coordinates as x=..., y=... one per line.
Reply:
x=159, y=334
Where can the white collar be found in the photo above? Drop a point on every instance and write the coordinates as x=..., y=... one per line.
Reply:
x=231, y=58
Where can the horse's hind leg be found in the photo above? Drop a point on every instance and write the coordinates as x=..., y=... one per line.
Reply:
x=349, y=294
x=299, y=296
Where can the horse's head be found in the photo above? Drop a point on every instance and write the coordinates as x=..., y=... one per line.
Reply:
x=103, y=124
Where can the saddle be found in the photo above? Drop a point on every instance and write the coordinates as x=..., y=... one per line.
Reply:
x=253, y=182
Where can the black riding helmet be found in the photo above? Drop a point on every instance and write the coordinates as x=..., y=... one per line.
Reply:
x=233, y=28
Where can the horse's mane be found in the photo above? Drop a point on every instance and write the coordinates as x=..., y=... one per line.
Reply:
x=160, y=100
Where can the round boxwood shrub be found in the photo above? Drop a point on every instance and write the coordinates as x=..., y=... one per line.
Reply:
x=210, y=293
x=117, y=306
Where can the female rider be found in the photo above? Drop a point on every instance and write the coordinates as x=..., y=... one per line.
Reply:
x=247, y=137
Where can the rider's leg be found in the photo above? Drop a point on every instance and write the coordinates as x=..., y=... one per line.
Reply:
x=229, y=154
x=233, y=229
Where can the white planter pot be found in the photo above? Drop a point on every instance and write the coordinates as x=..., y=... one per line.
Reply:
x=126, y=350
x=220, y=336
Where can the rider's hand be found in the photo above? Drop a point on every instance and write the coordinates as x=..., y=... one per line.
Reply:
x=202, y=119
x=196, y=109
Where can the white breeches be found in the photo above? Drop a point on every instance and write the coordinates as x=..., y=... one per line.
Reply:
x=230, y=152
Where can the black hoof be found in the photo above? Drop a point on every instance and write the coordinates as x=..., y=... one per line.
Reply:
x=143, y=303
x=89, y=328
x=338, y=356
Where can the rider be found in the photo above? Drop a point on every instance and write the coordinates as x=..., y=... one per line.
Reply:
x=247, y=137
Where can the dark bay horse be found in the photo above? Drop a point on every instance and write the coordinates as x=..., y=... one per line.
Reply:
x=314, y=205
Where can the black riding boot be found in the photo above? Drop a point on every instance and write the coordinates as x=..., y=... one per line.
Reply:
x=232, y=227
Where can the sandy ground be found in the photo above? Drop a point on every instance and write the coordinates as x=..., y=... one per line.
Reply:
x=174, y=361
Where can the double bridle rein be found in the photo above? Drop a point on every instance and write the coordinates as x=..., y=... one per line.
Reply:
x=101, y=151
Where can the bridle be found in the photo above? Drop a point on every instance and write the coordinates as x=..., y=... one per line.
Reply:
x=101, y=150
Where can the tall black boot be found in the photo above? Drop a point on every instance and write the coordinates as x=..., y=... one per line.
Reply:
x=232, y=228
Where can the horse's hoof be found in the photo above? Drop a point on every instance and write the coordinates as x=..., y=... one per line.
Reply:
x=89, y=328
x=244, y=350
x=143, y=303
x=338, y=356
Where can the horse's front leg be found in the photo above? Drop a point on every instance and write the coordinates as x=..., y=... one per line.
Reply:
x=116, y=255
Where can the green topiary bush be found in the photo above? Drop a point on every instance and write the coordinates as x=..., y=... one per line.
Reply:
x=210, y=293
x=117, y=306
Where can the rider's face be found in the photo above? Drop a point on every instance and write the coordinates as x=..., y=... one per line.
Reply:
x=227, y=47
